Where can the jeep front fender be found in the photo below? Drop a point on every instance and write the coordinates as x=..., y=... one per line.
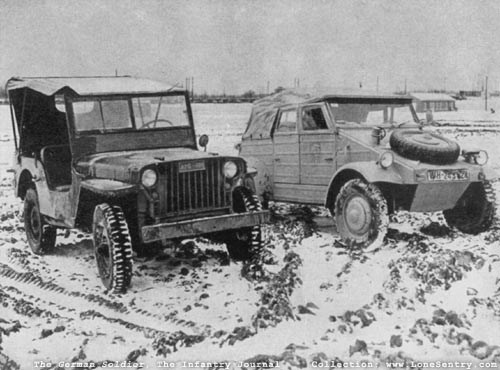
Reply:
x=261, y=173
x=109, y=187
x=490, y=173
x=369, y=171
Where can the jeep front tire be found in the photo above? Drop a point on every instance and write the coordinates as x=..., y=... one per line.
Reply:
x=40, y=235
x=361, y=214
x=475, y=211
x=113, y=247
x=243, y=243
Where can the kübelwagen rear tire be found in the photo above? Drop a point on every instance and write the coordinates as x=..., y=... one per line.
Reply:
x=112, y=247
x=475, y=211
x=361, y=214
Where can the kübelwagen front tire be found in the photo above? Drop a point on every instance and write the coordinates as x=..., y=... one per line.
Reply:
x=112, y=247
x=361, y=214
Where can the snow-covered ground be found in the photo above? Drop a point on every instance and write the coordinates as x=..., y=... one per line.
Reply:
x=427, y=294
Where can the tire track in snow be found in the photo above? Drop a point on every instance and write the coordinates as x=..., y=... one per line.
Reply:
x=50, y=296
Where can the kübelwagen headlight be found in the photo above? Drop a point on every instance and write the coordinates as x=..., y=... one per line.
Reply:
x=149, y=178
x=386, y=159
x=482, y=157
x=479, y=157
x=230, y=169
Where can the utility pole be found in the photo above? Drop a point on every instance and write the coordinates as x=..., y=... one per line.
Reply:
x=486, y=94
x=377, y=83
x=267, y=87
x=116, y=72
x=405, y=86
x=192, y=88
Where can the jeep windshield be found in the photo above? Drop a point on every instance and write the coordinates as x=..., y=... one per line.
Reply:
x=103, y=114
x=372, y=114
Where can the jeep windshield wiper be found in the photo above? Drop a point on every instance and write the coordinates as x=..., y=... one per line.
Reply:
x=158, y=111
x=159, y=105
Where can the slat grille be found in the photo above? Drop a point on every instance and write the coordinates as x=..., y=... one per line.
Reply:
x=186, y=192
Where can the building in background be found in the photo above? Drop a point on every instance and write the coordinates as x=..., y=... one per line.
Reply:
x=434, y=102
x=471, y=93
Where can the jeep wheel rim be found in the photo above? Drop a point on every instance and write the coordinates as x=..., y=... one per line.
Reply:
x=35, y=224
x=102, y=250
x=358, y=215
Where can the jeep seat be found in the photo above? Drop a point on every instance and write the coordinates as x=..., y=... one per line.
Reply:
x=56, y=160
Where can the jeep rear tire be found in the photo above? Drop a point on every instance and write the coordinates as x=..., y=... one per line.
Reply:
x=113, y=247
x=475, y=211
x=361, y=214
x=424, y=146
x=242, y=244
x=40, y=235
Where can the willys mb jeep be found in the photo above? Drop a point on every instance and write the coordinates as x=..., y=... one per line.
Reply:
x=363, y=156
x=118, y=156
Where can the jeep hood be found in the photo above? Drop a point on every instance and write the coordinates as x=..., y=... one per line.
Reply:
x=122, y=166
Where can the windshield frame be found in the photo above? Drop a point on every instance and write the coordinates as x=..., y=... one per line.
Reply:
x=372, y=101
x=128, y=97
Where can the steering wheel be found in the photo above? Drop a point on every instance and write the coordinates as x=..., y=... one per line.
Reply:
x=155, y=121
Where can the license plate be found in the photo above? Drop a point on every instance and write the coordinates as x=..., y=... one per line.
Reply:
x=191, y=166
x=448, y=175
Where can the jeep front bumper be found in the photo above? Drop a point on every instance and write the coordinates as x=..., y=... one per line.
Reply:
x=200, y=226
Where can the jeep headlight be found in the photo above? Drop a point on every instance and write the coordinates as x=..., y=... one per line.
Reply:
x=481, y=157
x=230, y=169
x=386, y=159
x=149, y=178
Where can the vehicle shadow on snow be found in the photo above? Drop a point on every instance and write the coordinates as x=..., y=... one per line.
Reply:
x=81, y=247
x=187, y=259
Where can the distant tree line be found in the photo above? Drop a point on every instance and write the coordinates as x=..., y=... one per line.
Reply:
x=247, y=96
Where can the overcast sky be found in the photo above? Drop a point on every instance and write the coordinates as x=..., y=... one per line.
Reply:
x=240, y=45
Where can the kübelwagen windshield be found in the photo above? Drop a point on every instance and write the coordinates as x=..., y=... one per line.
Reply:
x=371, y=114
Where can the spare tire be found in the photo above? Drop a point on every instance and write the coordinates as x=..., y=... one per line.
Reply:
x=424, y=146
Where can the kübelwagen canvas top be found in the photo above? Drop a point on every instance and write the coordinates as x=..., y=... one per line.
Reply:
x=264, y=110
